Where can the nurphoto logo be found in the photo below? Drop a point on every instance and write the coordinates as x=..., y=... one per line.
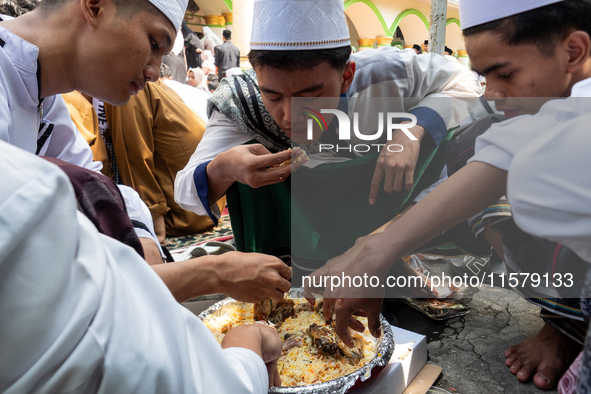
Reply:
x=391, y=119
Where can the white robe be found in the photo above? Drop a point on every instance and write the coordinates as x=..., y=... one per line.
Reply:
x=195, y=98
x=83, y=313
x=549, y=187
x=21, y=116
x=425, y=83
x=547, y=158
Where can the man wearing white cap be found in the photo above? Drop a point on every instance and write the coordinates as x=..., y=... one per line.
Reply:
x=55, y=136
x=302, y=49
x=82, y=312
x=524, y=49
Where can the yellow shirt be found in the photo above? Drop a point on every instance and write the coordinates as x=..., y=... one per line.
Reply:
x=154, y=136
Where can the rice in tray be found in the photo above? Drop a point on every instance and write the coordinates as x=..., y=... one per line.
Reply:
x=301, y=365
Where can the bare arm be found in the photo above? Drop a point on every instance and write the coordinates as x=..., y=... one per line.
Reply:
x=469, y=191
x=262, y=340
x=247, y=277
x=151, y=251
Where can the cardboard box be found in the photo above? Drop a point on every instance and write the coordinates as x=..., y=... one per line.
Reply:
x=409, y=358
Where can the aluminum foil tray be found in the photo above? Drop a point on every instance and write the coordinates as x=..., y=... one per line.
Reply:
x=336, y=386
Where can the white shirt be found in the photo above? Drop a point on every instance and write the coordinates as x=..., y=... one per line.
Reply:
x=426, y=83
x=20, y=121
x=46, y=130
x=83, y=313
x=196, y=99
x=549, y=187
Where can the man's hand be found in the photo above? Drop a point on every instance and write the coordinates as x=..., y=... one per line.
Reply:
x=397, y=167
x=247, y=277
x=363, y=259
x=261, y=339
x=252, y=277
x=252, y=165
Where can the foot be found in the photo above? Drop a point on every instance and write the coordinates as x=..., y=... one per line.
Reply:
x=544, y=357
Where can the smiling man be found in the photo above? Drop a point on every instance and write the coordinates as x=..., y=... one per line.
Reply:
x=527, y=51
x=250, y=126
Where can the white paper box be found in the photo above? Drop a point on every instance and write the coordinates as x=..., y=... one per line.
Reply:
x=410, y=356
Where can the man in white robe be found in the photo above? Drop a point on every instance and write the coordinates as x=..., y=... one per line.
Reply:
x=35, y=68
x=54, y=135
x=83, y=313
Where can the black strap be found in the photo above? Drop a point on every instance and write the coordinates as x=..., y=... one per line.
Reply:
x=2, y=43
x=138, y=224
x=169, y=258
x=41, y=140
x=39, y=82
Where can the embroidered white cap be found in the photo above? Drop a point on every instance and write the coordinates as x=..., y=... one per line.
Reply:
x=478, y=12
x=174, y=10
x=289, y=25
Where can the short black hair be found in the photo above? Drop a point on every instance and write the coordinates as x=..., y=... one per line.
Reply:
x=213, y=85
x=543, y=26
x=448, y=50
x=227, y=34
x=213, y=77
x=16, y=8
x=300, y=60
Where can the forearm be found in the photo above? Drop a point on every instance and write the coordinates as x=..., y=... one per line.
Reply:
x=469, y=191
x=191, y=278
x=247, y=337
x=160, y=228
x=218, y=181
x=151, y=251
x=382, y=228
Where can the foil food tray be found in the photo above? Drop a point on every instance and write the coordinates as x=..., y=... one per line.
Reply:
x=385, y=349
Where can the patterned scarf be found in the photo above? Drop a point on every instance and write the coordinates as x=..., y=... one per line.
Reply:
x=239, y=99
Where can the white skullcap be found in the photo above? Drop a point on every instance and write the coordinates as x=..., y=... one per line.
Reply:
x=288, y=25
x=478, y=12
x=174, y=10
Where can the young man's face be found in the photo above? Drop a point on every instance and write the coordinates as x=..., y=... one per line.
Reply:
x=515, y=71
x=278, y=87
x=122, y=54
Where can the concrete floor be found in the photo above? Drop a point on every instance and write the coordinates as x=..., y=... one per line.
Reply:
x=469, y=348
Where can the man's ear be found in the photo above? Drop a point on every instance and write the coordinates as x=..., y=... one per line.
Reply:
x=578, y=47
x=91, y=10
x=348, y=74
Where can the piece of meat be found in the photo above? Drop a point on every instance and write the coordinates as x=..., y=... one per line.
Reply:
x=328, y=343
x=325, y=340
x=274, y=312
x=355, y=353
